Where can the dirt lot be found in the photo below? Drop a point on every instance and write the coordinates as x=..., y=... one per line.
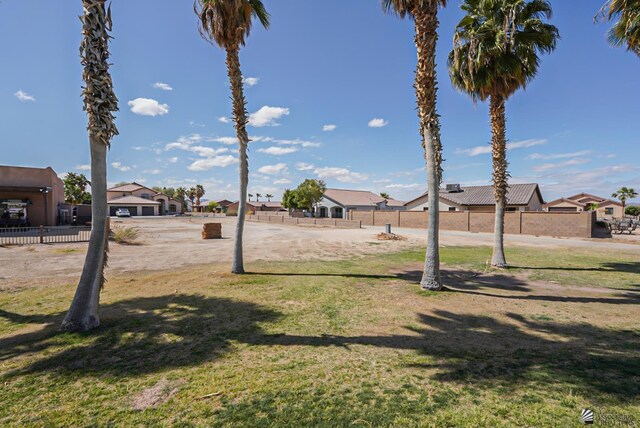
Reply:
x=170, y=243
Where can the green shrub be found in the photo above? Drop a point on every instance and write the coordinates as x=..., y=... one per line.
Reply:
x=124, y=234
x=632, y=210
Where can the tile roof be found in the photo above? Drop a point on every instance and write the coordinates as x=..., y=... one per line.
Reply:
x=130, y=187
x=130, y=199
x=353, y=197
x=395, y=203
x=517, y=194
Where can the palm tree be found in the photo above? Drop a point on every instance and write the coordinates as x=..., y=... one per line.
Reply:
x=191, y=195
x=593, y=206
x=227, y=23
x=626, y=31
x=268, y=196
x=425, y=17
x=181, y=195
x=250, y=195
x=623, y=194
x=199, y=193
x=258, y=196
x=99, y=102
x=385, y=195
x=495, y=53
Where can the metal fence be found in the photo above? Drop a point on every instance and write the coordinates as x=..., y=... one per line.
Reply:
x=44, y=235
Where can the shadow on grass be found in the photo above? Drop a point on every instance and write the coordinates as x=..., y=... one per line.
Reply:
x=146, y=335
x=616, y=267
x=140, y=335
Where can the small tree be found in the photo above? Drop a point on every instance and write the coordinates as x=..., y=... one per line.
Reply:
x=290, y=200
x=268, y=196
x=592, y=206
x=633, y=211
x=212, y=206
x=258, y=196
x=309, y=193
x=250, y=195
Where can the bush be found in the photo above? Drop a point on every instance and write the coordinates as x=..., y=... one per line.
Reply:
x=632, y=211
x=124, y=234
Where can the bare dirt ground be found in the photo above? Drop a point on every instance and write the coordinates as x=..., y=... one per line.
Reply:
x=171, y=243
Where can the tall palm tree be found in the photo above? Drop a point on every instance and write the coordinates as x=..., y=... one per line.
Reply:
x=250, y=195
x=228, y=23
x=191, y=195
x=626, y=31
x=623, y=194
x=99, y=102
x=199, y=193
x=258, y=196
x=268, y=196
x=181, y=195
x=495, y=53
x=425, y=17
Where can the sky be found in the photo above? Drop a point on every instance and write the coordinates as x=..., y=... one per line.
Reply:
x=329, y=92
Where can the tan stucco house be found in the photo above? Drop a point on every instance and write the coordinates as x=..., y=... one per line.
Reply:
x=607, y=208
x=254, y=207
x=31, y=196
x=520, y=197
x=336, y=203
x=141, y=201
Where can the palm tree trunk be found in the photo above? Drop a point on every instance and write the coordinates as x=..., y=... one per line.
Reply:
x=500, y=176
x=426, y=25
x=83, y=313
x=240, y=118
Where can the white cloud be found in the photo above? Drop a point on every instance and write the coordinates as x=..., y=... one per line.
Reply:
x=152, y=171
x=479, y=150
x=23, y=96
x=384, y=180
x=571, y=162
x=85, y=167
x=273, y=169
x=224, y=140
x=148, y=107
x=278, y=151
x=298, y=142
x=329, y=127
x=119, y=166
x=559, y=155
x=208, y=163
x=251, y=81
x=405, y=186
x=301, y=166
x=267, y=116
x=377, y=123
x=138, y=148
x=173, y=159
x=163, y=86
x=207, y=151
x=224, y=119
x=282, y=181
x=342, y=175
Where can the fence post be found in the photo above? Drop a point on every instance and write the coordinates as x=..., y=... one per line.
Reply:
x=41, y=234
x=398, y=218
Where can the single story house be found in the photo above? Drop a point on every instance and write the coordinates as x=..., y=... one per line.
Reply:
x=520, y=197
x=141, y=200
x=336, y=203
x=254, y=207
x=606, y=208
x=33, y=196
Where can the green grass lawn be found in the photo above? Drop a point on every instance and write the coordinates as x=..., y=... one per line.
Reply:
x=341, y=343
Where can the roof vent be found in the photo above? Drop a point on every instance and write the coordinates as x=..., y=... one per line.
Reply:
x=453, y=188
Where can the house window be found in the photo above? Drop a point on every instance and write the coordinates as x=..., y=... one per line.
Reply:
x=172, y=208
x=425, y=209
x=145, y=196
x=511, y=209
x=452, y=208
x=608, y=211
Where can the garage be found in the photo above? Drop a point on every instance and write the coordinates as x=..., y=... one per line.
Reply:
x=146, y=211
x=132, y=210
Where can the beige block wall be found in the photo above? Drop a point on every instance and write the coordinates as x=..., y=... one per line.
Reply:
x=520, y=222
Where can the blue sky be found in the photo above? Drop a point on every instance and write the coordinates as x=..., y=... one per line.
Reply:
x=345, y=64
